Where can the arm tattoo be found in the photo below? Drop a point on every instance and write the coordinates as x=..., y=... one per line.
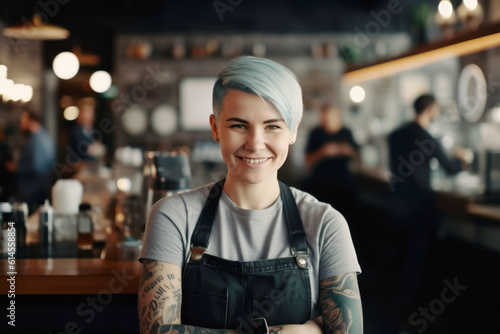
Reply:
x=276, y=330
x=185, y=329
x=340, y=304
x=160, y=297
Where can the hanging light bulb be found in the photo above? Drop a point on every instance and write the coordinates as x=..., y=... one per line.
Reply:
x=100, y=81
x=446, y=18
x=27, y=93
x=66, y=65
x=357, y=94
x=7, y=89
x=71, y=113
x=471, y=13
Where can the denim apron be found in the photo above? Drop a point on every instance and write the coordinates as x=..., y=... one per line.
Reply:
x=224, y=294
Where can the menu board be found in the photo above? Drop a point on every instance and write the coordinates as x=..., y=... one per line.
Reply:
x=195, y=102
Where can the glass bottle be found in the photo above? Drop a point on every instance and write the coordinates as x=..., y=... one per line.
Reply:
x=85, y=227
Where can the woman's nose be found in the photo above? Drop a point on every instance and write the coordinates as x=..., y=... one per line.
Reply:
x=255, y=140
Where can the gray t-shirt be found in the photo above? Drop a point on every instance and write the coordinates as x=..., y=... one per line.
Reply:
x=250, y=235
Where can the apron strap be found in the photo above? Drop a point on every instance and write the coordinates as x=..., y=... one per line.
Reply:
x=296, y=231
x=201, y=234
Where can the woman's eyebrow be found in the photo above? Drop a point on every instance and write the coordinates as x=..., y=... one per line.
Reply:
x=236, y=119
x=274, y=120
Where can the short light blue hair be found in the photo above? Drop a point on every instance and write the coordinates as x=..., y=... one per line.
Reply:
x=264, y=78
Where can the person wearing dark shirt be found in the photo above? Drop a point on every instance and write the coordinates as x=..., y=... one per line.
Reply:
x=411, y=150
x=34, y=170
x=83, y=144
x=7, y=169
x=329, y=151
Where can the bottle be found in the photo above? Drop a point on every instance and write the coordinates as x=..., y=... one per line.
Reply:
x=5, y=219
x=85, y=227
x=20, y=217
x=46, y=229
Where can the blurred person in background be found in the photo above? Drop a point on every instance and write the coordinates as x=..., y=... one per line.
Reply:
x=34, y=170
x=84, y=146
x=7, y=168
x=411, y=150
x=329, y=150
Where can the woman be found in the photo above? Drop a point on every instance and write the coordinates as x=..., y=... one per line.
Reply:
x=249, y=254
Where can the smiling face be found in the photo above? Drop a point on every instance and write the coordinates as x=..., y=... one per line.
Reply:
x=254, y=138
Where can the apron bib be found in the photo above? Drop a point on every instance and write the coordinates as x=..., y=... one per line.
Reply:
x=224, y=294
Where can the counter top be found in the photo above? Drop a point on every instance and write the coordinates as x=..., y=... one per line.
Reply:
x=448, y=201
x=72, y=276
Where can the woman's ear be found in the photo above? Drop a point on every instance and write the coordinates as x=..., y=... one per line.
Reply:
x=215, y=130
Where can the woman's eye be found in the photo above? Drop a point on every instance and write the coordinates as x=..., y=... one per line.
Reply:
x=273, y=127
x=238, y=126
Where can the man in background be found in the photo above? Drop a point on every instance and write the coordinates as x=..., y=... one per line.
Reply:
x=329, y=151
x=34, y=170
x=84, y=146
x=7, y=168
x=411, y=150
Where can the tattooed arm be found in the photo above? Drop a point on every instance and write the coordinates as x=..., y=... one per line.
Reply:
x=340, y=304
x=159, y=304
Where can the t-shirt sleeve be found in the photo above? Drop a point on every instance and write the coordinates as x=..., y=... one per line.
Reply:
x=337, y=253
x=164, y=237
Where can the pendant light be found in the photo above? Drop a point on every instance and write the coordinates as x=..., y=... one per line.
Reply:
x=36, y=29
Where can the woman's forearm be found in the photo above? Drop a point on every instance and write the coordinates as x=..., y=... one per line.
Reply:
x=185, y=329
x=310, y=327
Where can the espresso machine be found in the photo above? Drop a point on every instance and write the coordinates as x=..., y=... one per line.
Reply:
x=165, y=174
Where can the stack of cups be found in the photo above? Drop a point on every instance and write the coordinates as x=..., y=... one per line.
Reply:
x=66, y=198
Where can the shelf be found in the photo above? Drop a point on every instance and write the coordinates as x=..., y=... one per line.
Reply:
x=461, y=44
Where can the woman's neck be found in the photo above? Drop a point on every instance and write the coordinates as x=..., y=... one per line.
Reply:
x=252, y=196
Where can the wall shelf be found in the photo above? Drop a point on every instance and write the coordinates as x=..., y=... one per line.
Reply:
x=461, y=44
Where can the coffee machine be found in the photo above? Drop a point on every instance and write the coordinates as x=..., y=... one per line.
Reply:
x=165, y=174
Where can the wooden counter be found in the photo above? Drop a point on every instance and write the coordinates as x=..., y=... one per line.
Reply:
x=72, y=276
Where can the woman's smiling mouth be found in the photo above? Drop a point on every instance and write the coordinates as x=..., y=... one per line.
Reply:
x=254, y=161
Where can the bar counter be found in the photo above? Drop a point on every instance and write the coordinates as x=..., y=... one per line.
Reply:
x=72, y=276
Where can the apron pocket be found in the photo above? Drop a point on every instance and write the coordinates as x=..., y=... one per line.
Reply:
x=282, y=311
x=204, y=309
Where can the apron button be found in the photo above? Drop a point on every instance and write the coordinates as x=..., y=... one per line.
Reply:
x=196, y=256
x=301, y=262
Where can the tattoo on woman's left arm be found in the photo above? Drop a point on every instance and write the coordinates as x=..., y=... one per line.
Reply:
x=340, y=304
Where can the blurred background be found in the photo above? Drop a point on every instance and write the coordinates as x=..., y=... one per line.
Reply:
x=146, y=70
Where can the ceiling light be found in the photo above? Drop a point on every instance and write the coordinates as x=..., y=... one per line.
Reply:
x=357, y=94
x=100, y=81
x=66, y=65
x=27, y=93
x=445, y=8
x=471, y=13
x=36, y=29
x=470, y=4
x=71, y=113
x=3, y=72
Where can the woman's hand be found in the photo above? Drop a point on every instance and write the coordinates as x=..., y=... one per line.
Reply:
x=313, y=326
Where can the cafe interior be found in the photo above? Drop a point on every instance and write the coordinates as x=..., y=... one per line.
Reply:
x=146, y=71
